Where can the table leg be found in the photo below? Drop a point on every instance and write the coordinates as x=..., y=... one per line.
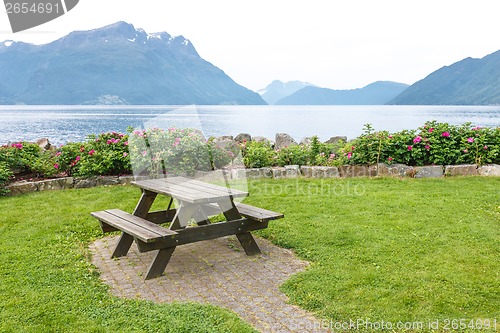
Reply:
x=145, y=203
x=159, y=263
x=246, y=239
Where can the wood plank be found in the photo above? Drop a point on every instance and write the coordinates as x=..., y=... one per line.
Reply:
x=216, y=190
x=189, y=190
x=156, y=185
x=204, y=232
x=257, y=213
x=133, y=225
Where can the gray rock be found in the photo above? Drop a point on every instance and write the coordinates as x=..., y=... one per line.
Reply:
x=43, y=143
x=489, y=170
x=266, y=172
x=243, y=137
x=85, y=182
x=325, y=172
x=336, y=139
x=200, y=134
x=260, y=139
x=397, y=170
x=108, y=180
x=306, y=171
x=306, y=141
x=47, y=185
x=125, y=180
x=348, y=171
x=292, y=171
x=21, y=187
x=461, y=170
x=431, y=171
x=284, y=140
x=279, y=172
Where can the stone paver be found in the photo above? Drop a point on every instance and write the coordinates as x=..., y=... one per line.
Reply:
x=217, y=272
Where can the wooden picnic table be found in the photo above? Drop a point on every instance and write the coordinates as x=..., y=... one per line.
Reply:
x=196, y=201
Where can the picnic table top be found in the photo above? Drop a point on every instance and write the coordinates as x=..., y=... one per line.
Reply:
x=189, y=190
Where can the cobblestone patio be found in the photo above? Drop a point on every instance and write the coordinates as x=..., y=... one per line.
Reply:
x=217, y=272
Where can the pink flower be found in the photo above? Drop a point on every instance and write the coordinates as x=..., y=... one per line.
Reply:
x=108, y=142
x=125, y=154
x=58, y=153
x=390, y=159
x=77, y=158
x=332, y=156
x=349, y=155
x=82, y=149
x=91, y=152
x=125, y=143
x=485, y=147
x=410, y=148
x=445, y=134
x=417, y=139
x=477, y=128
x=390, y=136
x=144, y=153
x=431, y=129
x=427, y=147
x=465, y=150
x=18, y=145
x=352, y=148
x=56, y=166
x=470, y=140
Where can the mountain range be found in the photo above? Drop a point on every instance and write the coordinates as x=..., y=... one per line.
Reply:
x=116, y=64
x=119, y=64
x=376, y=93
x=277, y=90
x=466, y=82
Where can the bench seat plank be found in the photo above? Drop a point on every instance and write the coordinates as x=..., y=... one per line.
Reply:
x=257, y=213
x=135, y=226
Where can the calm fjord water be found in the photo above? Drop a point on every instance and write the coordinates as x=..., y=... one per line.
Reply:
x=73, y=123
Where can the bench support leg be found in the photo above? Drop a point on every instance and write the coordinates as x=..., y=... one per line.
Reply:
x=123, y=246
x=159, y=263
x=248, y=243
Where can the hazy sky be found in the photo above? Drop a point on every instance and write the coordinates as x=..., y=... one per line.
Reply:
x=335, y=44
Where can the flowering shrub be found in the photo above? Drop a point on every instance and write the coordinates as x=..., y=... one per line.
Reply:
x=258, y=154
x=25, y=157
x=105, y=154
x=5, y=174
x=433, y=143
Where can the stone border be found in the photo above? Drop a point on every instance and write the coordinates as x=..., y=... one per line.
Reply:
x=289, y=171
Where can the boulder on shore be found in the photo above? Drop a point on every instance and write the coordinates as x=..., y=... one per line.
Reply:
x=283, y=140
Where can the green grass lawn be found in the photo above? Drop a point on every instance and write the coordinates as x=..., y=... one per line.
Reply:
x=391, y=250
x=381, y=249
